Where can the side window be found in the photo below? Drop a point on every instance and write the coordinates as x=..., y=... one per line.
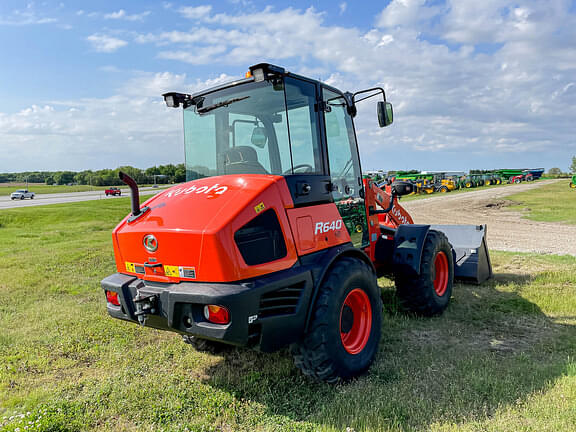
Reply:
x=345, y=167
x=302, y=118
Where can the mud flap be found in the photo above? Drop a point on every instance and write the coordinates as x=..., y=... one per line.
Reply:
x=471, y=258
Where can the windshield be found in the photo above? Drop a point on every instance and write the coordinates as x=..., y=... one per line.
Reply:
x=254, y=128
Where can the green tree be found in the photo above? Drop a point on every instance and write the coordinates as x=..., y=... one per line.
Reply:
x=573, y=166
x=554, y=172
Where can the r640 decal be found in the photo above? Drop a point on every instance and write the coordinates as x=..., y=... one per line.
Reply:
x=324, y=227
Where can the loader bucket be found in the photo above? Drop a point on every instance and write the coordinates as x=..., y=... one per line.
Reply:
x=471, y=259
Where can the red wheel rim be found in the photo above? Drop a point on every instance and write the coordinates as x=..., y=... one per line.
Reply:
x=355, y=321
x=442, y=273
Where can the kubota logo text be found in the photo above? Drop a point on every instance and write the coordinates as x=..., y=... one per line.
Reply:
x=324, y=227
x=403, y=219
x=207, y=190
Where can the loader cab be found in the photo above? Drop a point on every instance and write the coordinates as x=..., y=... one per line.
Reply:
x=278, y=123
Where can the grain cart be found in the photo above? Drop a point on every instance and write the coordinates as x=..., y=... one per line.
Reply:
x=276, y=240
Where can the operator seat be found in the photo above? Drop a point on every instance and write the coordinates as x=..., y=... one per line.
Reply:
x=242, y=160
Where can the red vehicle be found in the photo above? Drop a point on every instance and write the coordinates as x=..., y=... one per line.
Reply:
x=276, y=240
x=114, y=191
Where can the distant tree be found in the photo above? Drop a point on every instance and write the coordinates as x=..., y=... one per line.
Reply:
x=573, y=166
x=554, y=171
x=180, y=174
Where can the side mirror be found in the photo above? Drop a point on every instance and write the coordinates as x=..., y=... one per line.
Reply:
x=401, y=188
x=385, y=114
x=259, y=137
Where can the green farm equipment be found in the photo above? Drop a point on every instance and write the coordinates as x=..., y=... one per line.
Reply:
x=573, y=182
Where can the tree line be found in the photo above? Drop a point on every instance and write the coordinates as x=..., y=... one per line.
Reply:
x=162, y=174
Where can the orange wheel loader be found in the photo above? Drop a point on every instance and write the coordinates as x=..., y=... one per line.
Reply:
x=276, y=240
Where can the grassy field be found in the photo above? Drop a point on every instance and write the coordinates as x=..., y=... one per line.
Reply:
x=555, y=202
x=8, y=188
x=502, y=358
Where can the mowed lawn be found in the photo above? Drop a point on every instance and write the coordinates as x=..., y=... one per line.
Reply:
x=502, y=357
x=554, y=202
x=41, y=188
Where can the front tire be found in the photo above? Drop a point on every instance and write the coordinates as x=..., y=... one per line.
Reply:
x=428, y=294
x=572, y=185
x=344, y=330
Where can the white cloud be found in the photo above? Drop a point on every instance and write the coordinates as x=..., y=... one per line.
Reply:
x=342, y=6
x=122, y=15
x=133, y=127
x=496, y=78
x=106, y=44
x=195, y=13
x=25, y=17
x=406, y=13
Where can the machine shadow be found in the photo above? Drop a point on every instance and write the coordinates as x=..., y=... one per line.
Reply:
x=491, y=348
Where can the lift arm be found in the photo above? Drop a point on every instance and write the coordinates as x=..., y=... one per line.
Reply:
x=383, y=198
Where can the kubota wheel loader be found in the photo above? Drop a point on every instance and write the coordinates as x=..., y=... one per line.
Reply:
x=276, y=240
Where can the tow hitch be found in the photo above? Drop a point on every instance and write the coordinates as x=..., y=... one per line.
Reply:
x=146, y=304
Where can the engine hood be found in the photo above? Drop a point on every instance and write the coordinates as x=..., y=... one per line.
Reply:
x=193, y=226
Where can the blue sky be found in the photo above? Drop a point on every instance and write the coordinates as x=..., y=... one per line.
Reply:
x=474, y=84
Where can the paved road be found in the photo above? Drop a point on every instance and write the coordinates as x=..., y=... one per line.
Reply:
x=60, y=198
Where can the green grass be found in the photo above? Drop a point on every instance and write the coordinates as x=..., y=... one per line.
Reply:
x=501, y=358
x=554, y=202
x=7, y=189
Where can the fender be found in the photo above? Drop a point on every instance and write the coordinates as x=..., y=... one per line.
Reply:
x=408, y=244
x=322, y=262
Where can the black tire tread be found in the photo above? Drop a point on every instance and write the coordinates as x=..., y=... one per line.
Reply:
x=416, y=294
x=310, y=355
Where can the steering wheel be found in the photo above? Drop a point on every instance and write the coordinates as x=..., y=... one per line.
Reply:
x=307, y=168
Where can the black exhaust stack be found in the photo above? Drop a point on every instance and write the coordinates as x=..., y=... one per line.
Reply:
x=135, y=196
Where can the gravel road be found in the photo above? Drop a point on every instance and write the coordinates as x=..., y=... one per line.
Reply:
x=507, y=230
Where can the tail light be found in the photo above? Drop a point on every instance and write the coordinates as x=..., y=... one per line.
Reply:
x=112, y=297
x=216, y=314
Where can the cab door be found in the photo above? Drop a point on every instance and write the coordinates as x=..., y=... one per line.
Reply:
x=344, y=165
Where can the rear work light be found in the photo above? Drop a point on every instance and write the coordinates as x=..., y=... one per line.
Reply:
x=216, y=314
x=112, y=297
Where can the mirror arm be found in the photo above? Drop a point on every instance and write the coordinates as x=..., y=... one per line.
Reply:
x=378, y=90
x=373, y=211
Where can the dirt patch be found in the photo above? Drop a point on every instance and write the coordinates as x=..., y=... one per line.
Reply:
x=507, y=230
x=497, y=204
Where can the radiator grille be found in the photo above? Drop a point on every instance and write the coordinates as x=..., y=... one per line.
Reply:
x=281, y=302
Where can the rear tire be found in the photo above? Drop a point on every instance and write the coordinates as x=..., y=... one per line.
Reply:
x=344, y=330
x=21, y=197
x=429, y=293
x=443, y=189
x=572, y=185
